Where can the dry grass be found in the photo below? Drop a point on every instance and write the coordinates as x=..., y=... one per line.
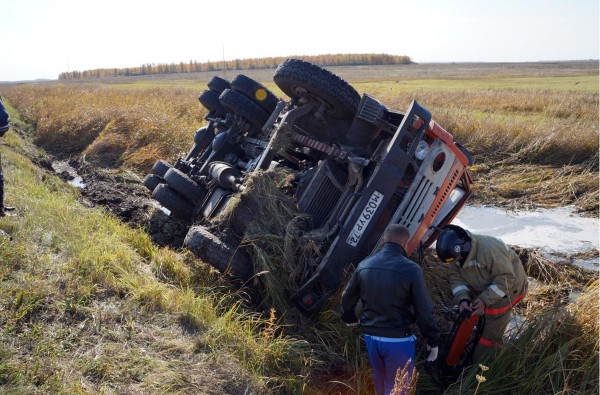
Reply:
x=556, y=353
x=274, y=240
x=523, y=126
x=112, y=127
x=531, y=186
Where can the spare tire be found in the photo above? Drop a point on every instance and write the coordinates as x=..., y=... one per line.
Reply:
x=239, y=104
x=160, y=168
x=218, y=84
x=255, y=91
x=298, y=78
x=210, y=100
x=173, y=202
x=184, y=185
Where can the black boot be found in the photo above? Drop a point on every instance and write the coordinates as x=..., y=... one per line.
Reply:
x=7, y=210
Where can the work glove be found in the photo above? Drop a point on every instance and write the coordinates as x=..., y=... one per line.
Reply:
x=433, y=353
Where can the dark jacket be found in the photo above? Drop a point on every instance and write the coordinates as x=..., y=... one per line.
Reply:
x=3, y=119
x=393, y=293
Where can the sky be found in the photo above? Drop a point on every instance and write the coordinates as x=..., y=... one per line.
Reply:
x=42, y=38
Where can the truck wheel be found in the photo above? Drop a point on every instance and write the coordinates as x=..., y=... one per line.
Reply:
x=152, y=180
x=239, y=104
x=218, y=84
x=160, y=168
x=255, y=91
x=298, y=78
x=173, y=202
x=210, y=101
x=184, y=185
x=221, y=256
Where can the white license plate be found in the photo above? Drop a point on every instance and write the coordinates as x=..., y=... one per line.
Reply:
x=365, y=218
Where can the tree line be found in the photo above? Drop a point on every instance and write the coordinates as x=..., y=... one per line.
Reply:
x=237, y=64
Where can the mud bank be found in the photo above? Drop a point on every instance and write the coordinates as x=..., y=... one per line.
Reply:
x=123, y=194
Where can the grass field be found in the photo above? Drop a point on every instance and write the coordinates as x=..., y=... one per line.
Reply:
x=89, y=305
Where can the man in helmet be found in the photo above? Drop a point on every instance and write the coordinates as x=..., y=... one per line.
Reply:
x=4, y=125
x=393, y=296
x=486, y=277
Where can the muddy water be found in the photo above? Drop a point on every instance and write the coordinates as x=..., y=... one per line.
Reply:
x=558, y=230
x=68, y=172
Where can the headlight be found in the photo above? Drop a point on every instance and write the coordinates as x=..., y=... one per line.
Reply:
x=422, y=150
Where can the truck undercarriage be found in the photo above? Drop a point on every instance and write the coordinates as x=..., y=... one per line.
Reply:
x=355, y=165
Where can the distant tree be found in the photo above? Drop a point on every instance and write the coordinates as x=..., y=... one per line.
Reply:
x=238, y=64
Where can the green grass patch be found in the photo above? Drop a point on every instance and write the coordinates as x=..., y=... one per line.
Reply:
x=70, y=277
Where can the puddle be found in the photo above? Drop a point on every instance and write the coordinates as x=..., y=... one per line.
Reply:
x=552, y=230
x=157, y=206
x=67, y=172
x=591, y=264
x=513, y=328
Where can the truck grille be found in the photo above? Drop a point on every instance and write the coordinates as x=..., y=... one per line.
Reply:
x=323, y=192
x=409, y=214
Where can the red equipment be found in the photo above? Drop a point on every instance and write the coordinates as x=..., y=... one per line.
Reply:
x=457, y=353
x=461, y=336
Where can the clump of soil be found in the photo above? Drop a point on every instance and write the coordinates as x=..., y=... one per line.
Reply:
x=124, y=195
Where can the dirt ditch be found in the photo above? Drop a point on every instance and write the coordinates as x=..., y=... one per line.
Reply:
x=122, y=194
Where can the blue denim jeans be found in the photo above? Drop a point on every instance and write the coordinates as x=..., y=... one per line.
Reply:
x=387, y=355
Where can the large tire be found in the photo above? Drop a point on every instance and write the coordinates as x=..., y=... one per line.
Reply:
x=218, y=84
x=173, y=202
x=160, y=168
x=184, y=185
x=221, y=256
x=298, y=78
x=239, y=104
x=210, y=100
x=255, y=91
x=152, y=181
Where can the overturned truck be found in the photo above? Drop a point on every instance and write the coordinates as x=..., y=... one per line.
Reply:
x=357, y=166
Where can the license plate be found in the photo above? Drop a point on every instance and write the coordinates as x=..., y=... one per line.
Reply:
x=364, y=219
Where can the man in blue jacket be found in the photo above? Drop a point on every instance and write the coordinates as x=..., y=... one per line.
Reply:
x=393, y=294
x=4, y=125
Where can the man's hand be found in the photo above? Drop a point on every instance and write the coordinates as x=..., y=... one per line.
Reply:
x=465, y=305
x=433, y=354
x=478, y=307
